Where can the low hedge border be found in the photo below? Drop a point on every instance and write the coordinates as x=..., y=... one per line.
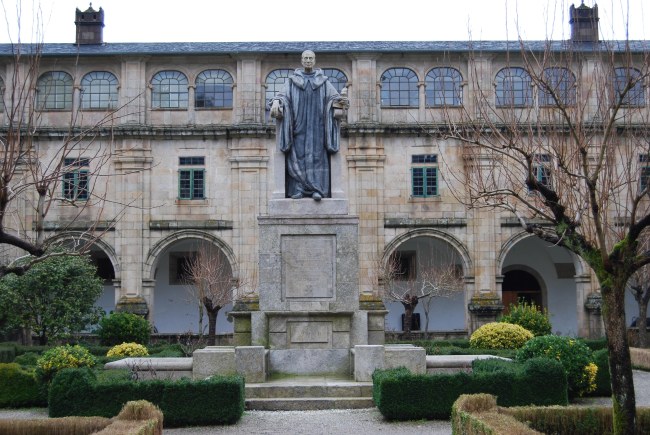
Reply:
x=135, y=418
x=401, y=395
x=218, y=400
x=477, y=414
x=20, y=388
x=574, y=420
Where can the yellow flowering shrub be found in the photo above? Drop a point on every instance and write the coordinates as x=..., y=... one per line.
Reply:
x=128, y=349
x=62, y=357
x=497, y=335
x=589, y=377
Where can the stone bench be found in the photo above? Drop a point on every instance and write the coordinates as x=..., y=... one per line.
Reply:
x=455, y=363
x=155, y=368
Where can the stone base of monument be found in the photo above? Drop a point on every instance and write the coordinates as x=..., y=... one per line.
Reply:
x=256, y=364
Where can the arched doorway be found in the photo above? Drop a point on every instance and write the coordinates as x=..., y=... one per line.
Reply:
x=417, y=259
x=519, y=285
x=176, y=306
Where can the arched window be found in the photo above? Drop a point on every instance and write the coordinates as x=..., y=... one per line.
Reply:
x=213, y=89
x=54, y=90
x=169, y=90
x=275, y=82
x=99, y=90
x=399, y=88
x=336, y=77
x=628, y=86
x=444, y=87
x=558, y=81
x=513, y=87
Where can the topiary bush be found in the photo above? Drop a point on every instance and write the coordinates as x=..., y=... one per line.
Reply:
x=530, y=317
x=498, y=335
x=19, y=387
x=119, y=328
x=574, y=355
x=127, y=349
x=63, y=357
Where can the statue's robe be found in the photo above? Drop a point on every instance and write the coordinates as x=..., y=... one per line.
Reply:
x=308, y=132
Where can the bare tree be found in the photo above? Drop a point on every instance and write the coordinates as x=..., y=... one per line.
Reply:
x=210, y=275
x=564, y=154
x=45, y=164
x=409, y=285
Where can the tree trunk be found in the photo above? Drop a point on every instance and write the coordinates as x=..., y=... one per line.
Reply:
x=212, y=326
x=620, y=364
x=642, y=323
x=409, y=304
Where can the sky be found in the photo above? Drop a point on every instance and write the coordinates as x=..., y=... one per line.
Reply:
x=313, y=20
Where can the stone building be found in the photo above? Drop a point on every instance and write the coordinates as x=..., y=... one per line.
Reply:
x=193, y=159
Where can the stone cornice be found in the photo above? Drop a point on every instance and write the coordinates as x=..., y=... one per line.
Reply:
x=424, y=222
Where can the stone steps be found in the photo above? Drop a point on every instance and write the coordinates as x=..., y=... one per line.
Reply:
x=305, y=393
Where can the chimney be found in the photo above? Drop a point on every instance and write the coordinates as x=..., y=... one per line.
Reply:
x=90, y=26
x=584, y=23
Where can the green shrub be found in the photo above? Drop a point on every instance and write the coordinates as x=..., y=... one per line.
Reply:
x=218, y=400
x=595, y=343
x=400, y=395
x=575, y=357
x=127, y=349
x=7, y=354
x=497, y=335
x=119, y=328
x=19, y=388
x=62, y=357
x=529, y=317
x=27, y=359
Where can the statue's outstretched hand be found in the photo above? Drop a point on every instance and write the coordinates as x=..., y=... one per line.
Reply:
x=276, y=109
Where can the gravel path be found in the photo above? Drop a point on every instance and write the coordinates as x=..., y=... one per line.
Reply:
x=352, y=421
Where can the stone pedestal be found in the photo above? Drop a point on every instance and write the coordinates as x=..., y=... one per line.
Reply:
x=484, y=308
x=309, y=287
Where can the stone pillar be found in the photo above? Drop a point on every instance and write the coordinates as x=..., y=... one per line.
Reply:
x=249, y=93
x=364, y=106
x=484, y=307
x=593, y=307
x=134, y=92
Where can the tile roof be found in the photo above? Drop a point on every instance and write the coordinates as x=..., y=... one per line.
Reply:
x=213, y=48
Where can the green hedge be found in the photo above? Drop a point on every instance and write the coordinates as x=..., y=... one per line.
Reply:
x=7, y=354
x=401, y=395
x=20, y=388
x=218, y=400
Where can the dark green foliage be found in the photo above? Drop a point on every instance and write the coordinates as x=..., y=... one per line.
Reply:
x=400, y=395
x=219, y=400
x=7, y=354
x=595, y=343
x=169, y=352
x=70, y=392
x=118, y=328
x=54, y=298
x=603, y=378
x=27, y=359
x=19, y=388
x=574, y=355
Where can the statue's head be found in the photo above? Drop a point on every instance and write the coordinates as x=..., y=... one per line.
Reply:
x=308, y=60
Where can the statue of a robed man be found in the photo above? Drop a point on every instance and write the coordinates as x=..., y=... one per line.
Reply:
x=308, y=114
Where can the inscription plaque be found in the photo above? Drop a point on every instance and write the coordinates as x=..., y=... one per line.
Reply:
x=310, y=332
x=308, y=266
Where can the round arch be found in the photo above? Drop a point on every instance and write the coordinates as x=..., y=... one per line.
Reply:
x=394, y=244
x=578, y=263
x=183, y=235
x=99, y=243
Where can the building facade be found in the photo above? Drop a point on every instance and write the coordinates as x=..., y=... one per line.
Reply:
x=181, y=145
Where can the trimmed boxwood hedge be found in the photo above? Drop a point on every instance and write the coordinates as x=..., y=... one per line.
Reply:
x=401, y=395
x=218, y=400
x=20, y=388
